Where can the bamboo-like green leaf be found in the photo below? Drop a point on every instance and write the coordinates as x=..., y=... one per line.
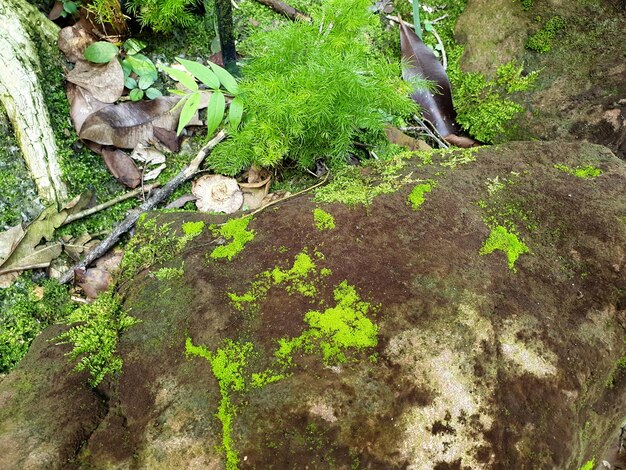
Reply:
x=201, y=72
x=183, y=77
x=215, y=112
x=235, y=112
x=189, y=109
x=226, y=79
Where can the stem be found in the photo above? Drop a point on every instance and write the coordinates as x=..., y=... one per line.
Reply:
x=224, y=13
x=416, y=18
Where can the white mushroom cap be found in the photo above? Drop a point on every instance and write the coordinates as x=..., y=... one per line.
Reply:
x=217, y=193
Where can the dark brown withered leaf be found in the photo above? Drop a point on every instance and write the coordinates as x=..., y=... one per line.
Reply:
x=419, y=63
x=92, y=281
x=104, y=81
x=168, y=138
x=121, y=166
x=127, y=124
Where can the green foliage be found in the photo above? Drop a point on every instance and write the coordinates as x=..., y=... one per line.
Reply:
x=94, y=334
x=542, y=40
x=154, y=244
x=583, y=172
x=168, y=274
x=323, y=220
x=416, y=197
x=235, y=230
x=483, y=106
x=501, y=239
x=213, y=77
x=106, y=12
x=26, y=308
x=162, y=16
x=101, y=52
x=527, y=4
x=145, y=73
x=310, y=89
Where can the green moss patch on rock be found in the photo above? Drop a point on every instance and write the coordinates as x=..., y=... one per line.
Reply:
x=451, y=359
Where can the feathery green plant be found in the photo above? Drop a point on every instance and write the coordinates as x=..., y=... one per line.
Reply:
x=162, y=15
x=311, y=88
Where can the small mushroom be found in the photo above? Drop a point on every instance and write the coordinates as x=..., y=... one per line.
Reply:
x=217, y=193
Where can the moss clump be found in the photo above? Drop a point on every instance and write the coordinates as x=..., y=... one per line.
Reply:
x=501, y=239
x=323, y=220
x=235, y=230
x=227, y=364
x=154, y=244
x=96, y=335
x=583, y=172
x=169, y=274
x=26, y=308
x=416, y=197
x=542, y=40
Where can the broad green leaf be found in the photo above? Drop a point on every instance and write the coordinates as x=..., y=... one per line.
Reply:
x=130, y=83
x=152, y=93
x=101, y=52
x=215, y=112
x=136, y=94
x=133, y=46
x=183, y=77
x=142, y=66
x=428, y=26
x=201, y=72
x=70, y=7
x=226, y=79
x=189, y=109
x=126, y=67
x=145, y=82
x=235, y=112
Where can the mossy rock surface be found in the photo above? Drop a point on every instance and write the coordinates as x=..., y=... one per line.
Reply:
x=582, y=83
x=475, y=365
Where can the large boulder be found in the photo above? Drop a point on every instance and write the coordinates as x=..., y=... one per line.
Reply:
x=581, y=90
x=472, y=316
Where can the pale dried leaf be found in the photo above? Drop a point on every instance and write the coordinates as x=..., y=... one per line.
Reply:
x=110, y=262
x=7, y=279
x=9, y=240
x=148, y=155
x=154, y=174
x=253, y=194
x=217, y=193
x=181, y=201
x=73, y=40
x=104, y=81
x=396, y=136
x=38, y=257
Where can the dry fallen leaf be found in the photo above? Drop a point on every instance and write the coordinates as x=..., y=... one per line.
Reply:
x=121, y=166
x=154, y=173
x=148, y=155
x=104, y=81
x=396, y=136
x=110, y=262
x=92, y=281
x=73, y=40
x=217, y=193
x=181, y=201
x=127, y=124
x=9, y=240
x=82, y=105
x=168, y=138
x=255, y=193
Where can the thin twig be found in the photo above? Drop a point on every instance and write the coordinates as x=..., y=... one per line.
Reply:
x=107, y=204
x=433, y=135
x=132, y=217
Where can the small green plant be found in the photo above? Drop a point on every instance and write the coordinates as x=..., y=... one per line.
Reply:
x=139, y=72
x=94, y=335
x=218, y=80
x=169, y=274
x=542, y=40
x=69, y=8
x=323, y=220
x=235, y=230
x=527, y=4
x=311, y=89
